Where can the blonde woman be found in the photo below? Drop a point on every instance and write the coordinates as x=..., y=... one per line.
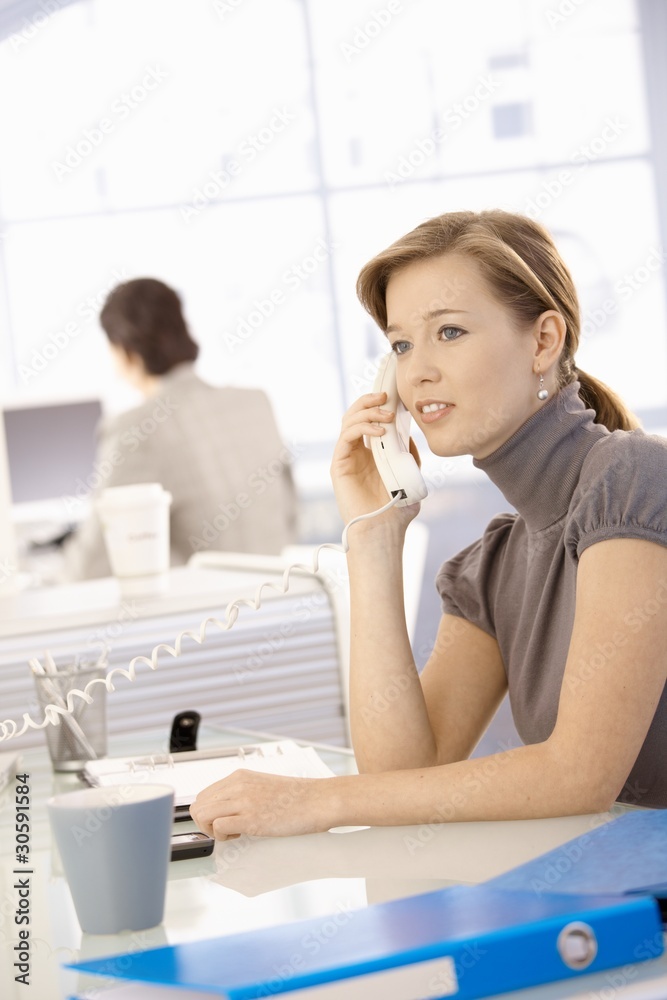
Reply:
x=563, y=604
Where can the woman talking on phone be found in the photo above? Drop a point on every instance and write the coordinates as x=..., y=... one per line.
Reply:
x=562, y=604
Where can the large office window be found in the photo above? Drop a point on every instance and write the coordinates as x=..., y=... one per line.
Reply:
x=255, y=153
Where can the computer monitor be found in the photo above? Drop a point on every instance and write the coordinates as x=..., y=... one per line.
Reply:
x=50, y=449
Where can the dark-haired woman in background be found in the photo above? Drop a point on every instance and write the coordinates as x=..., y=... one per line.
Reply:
x=216, y=450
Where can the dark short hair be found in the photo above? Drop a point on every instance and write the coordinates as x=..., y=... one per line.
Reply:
x=145, y=317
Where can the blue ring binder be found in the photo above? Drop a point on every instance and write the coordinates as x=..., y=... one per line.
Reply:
x=468, y=942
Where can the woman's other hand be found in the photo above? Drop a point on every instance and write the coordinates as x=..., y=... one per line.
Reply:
x=263, y=805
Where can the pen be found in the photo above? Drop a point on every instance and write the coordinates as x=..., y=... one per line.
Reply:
x=54, y=694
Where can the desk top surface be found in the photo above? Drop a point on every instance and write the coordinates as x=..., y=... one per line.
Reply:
x=188, y=588
x=251, y=883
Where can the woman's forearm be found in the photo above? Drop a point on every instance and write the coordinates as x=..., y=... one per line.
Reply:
x=527, y=782
x=388, y=717
x=530, y=782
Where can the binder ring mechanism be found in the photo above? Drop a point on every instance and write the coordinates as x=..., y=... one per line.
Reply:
x=156, y=761
x=577, y=945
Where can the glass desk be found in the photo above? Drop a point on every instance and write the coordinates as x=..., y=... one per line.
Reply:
x=251, y=883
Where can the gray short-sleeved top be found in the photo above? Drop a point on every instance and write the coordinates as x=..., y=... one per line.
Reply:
x=573, y=483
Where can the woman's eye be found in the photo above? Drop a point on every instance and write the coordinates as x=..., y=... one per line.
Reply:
x=400, y=346
x=451, y=332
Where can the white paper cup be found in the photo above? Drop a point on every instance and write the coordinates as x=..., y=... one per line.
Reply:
x=115, y=846
x=135, y=523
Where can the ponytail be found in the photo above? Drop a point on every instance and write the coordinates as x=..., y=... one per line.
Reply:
x=609, y=408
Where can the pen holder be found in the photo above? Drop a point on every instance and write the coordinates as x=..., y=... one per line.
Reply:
x=81, y=736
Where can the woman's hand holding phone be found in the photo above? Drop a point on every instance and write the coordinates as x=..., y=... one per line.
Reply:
x=365, y=478
x=358, y=486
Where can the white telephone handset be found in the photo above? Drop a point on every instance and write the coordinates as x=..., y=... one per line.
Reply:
x=397, y=467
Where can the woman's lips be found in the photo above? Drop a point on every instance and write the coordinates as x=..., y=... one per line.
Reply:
x=432, y=416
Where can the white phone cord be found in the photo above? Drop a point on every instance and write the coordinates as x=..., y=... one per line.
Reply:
x=52, y=713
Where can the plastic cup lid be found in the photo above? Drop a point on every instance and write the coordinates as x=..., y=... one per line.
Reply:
x=137, y=493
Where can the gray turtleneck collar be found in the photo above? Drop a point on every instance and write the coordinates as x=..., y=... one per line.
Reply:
x=538, y=467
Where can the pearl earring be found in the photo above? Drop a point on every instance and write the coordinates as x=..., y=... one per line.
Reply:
x=542, y=393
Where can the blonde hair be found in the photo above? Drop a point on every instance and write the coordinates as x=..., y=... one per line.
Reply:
x=519, y=259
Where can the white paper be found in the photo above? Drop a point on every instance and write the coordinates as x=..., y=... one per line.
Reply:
x=189, y=777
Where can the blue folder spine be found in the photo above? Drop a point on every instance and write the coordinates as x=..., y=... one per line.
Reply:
x=496, y=942
x=502, y=962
